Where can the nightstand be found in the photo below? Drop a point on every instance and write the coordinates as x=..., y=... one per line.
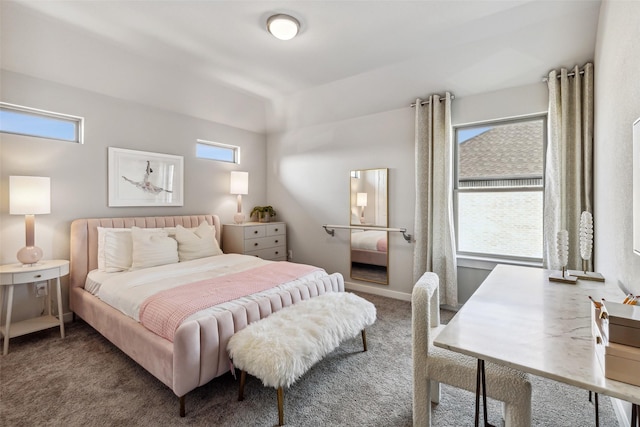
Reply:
x=15, y=274
x=265, y=240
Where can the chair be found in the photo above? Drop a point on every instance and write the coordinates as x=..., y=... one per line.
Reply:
x=434, y=365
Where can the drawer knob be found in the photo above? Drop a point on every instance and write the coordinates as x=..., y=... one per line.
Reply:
x=276, y=229
x=276, y=241
x=255, y=231
x=277, y=252
x=37, y=276
x=255, y=244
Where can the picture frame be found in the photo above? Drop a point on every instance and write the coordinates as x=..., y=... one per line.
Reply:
x=142, y=178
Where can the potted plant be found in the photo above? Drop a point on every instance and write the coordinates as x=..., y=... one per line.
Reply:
x=263, y=213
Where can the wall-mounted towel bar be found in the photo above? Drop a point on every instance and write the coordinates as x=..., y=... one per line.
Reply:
x=330, y=229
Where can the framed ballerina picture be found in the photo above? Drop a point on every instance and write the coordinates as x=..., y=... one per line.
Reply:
x=141, y=178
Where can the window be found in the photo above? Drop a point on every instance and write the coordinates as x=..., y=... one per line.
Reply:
x=216, y=151
x=27, y=121
x=499, y=189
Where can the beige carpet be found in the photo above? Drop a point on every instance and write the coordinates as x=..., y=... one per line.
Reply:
x=83, y=380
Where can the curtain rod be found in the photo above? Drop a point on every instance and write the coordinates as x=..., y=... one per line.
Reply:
x=428, y=102
x=571, y=74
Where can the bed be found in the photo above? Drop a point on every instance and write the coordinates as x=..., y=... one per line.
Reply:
x=369, y=247
x=195, y=352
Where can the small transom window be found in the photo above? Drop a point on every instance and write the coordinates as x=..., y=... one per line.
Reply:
x=217, y=151
x=19, y=120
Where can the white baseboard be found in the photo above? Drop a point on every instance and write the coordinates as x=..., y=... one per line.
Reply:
x=350, y=286
x=621, y=412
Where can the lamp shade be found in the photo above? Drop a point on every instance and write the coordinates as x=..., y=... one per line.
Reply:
x=239, y=182
x=361, y=199
x=29, y=195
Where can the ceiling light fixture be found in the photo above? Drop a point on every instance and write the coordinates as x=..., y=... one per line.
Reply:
x=283, y=27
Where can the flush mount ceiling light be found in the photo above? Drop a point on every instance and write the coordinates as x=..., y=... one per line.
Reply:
x=283, y=27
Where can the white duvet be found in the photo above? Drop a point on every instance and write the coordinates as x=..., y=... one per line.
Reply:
x=367, y=239
x=127, y=290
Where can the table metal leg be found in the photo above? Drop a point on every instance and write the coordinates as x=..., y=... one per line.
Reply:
x=597, y=411
x=481, y=388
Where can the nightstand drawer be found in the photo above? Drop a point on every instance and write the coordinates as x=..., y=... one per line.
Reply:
x=276, y=229
x=251, y=232
x=36, y=276
x=263, y=243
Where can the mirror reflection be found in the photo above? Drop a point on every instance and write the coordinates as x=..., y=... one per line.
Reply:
x=369, y=208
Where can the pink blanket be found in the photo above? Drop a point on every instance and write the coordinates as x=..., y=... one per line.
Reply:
x=163, y=312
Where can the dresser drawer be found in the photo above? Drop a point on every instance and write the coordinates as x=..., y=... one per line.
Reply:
x=275, y=254
x=263, y=243
x=253, y=231
x=276, y=229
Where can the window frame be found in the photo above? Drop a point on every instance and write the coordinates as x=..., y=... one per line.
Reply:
x=77, y=121
x=478, y=258
x=234, y=148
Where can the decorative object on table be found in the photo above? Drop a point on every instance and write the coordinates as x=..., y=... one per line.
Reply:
x=586, y=248
x=141, y=178
x=563, y=257
x=263, y=213
x=28, y=196
x=239, y=184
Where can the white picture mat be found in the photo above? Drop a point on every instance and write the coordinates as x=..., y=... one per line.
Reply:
x=141, y=178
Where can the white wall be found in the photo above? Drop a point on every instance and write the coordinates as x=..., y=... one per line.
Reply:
x=308, y=179
x=617, y=106
x=617, y=100
x=79, y=172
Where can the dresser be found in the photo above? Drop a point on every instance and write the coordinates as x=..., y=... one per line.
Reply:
x=264, y=240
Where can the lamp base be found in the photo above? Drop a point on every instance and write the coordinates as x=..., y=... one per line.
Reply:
x=238, y=218
x=29, y=255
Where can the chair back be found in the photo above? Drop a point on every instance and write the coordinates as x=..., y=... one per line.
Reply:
x=425, y=312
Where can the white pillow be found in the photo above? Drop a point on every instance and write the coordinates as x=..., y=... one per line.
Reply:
x=151, y=247
x=355, y=219
x=114, y=249
x=196, y=244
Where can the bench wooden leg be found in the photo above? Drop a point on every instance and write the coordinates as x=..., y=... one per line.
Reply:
x=182, y=411
x=243, y=378
x=280, y=406
x=364, y=340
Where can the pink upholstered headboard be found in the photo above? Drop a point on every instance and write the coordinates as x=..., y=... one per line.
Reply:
x=84, y=238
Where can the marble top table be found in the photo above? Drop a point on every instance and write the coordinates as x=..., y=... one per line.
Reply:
x=519, y=319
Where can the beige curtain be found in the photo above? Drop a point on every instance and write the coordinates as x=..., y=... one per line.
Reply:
x=569, y=161
x=435, y=244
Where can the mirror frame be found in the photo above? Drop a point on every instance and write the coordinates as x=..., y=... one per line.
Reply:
x=352, y=204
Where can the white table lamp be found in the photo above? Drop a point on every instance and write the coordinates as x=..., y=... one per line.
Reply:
x=361, y=202
x=29, y=196
x=239, y=184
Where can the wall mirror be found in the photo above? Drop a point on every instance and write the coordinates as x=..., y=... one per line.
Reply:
x=368, y=207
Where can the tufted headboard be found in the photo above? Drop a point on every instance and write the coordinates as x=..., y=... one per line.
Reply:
x=84, y=238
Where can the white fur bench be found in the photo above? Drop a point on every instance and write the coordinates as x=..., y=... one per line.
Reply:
x=282, y=347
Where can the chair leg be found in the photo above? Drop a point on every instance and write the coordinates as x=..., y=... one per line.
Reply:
x=243, y=379
x=435, y=392
x=597, y=414
x=280, y=406
x=364, y=340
